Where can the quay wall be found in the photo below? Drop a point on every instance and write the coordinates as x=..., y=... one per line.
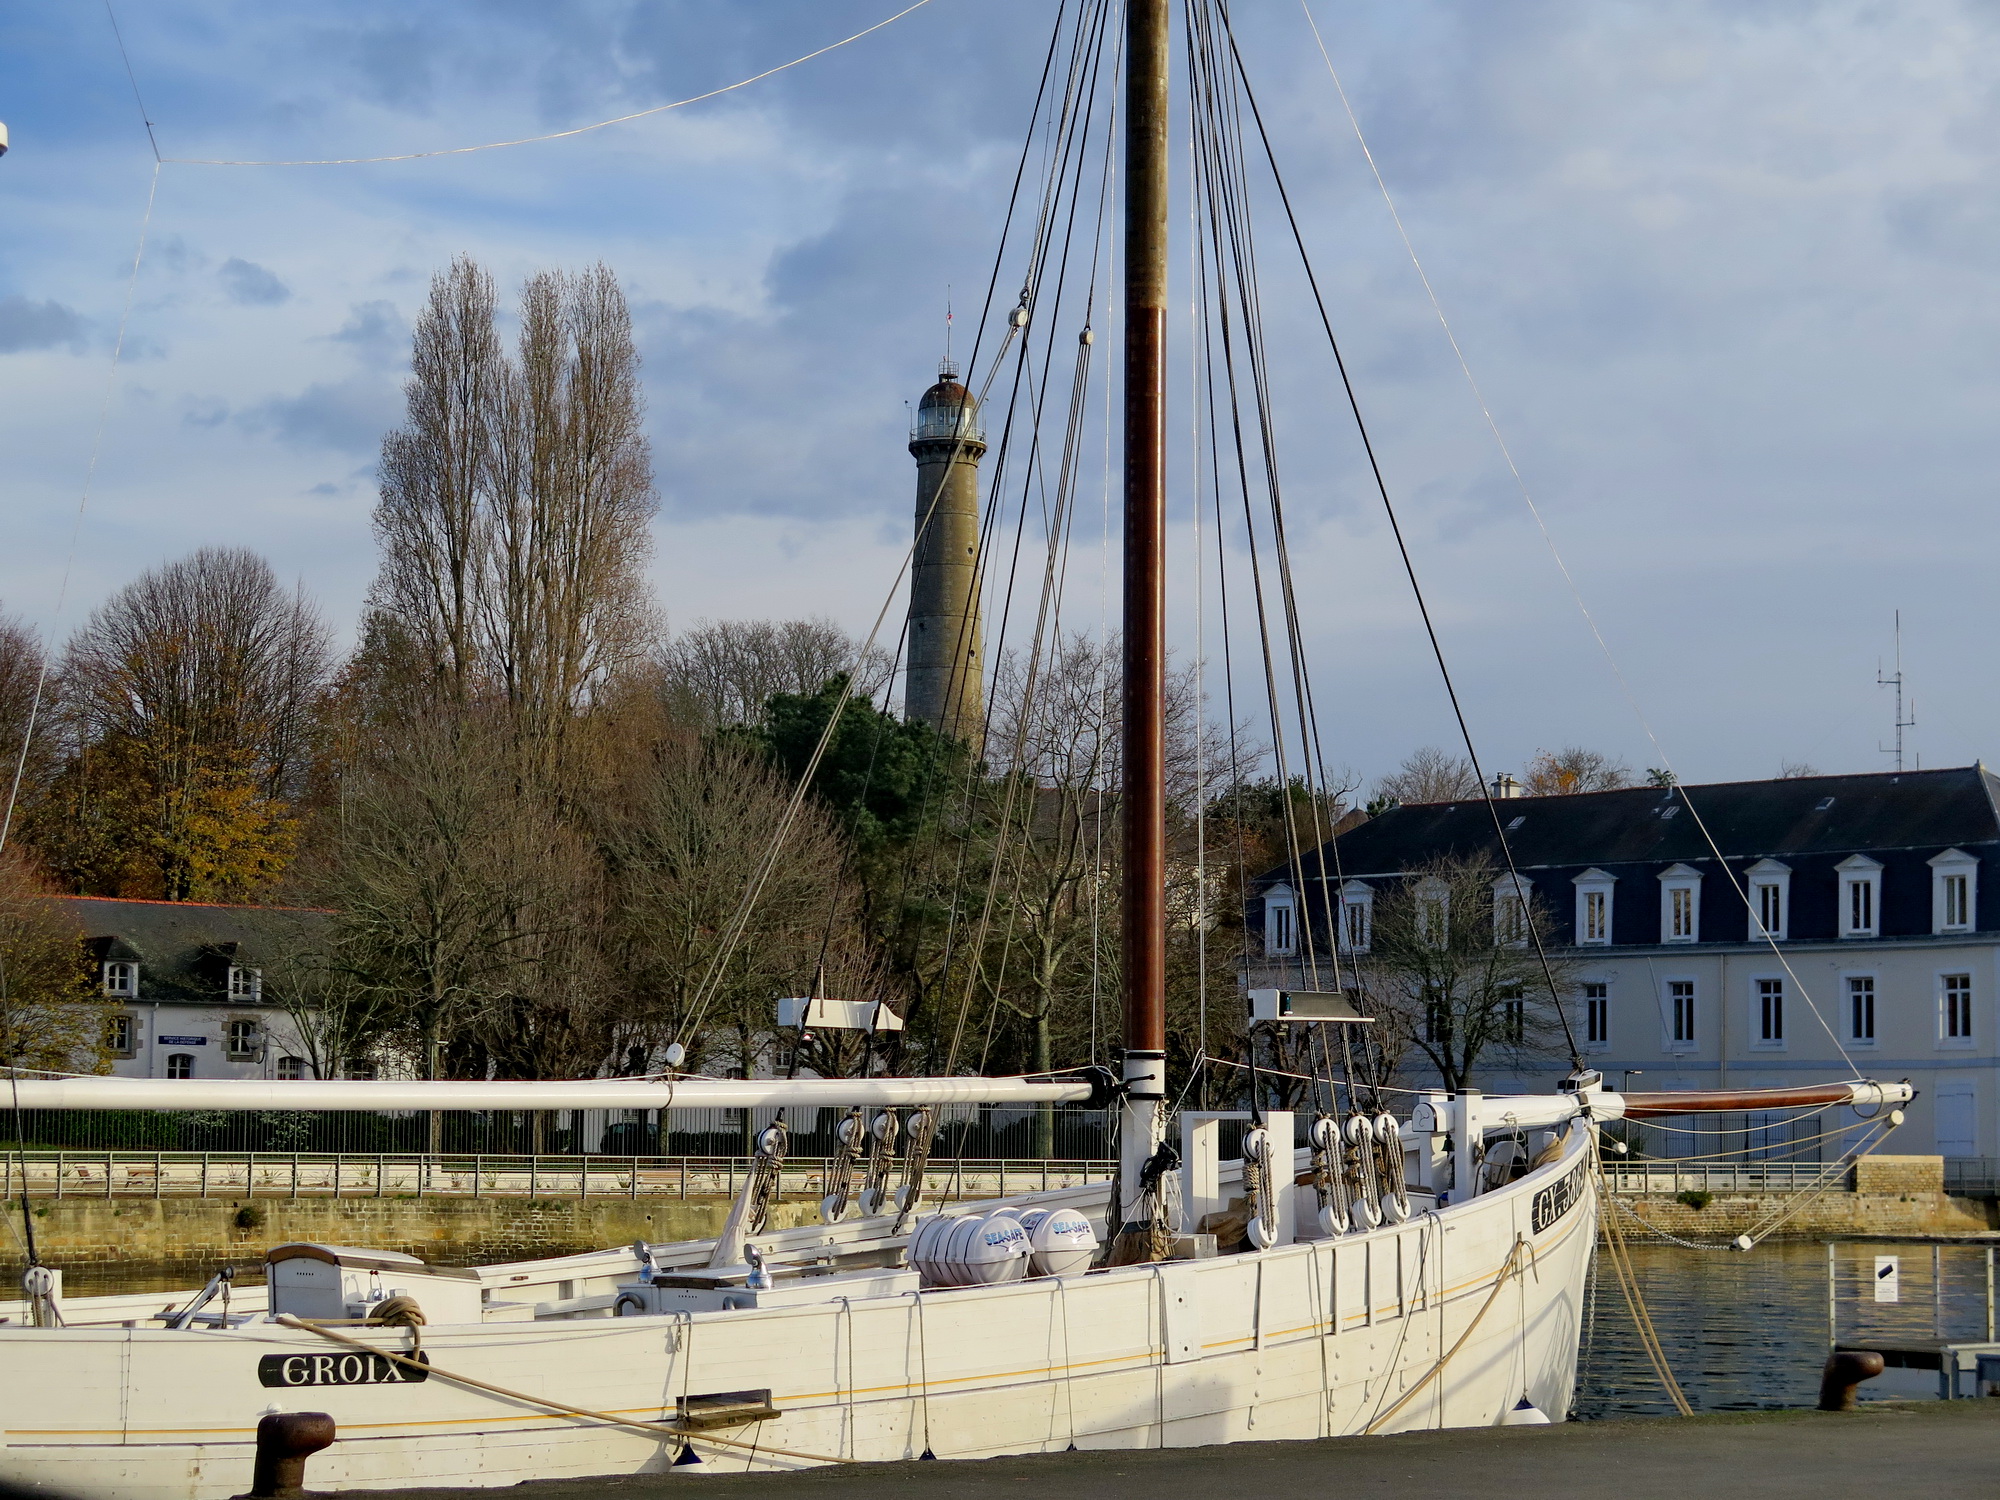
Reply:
x=444, y=1231
x=1889, y=1195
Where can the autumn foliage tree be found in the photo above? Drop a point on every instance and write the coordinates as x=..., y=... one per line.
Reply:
x=184, y=718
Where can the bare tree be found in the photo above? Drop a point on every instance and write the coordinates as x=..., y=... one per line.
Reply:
x=461, y=893
x=1798, y=770
x=1573, y=769
x=430, y=520
x=515, y=503
x=1429, y=775
x=1451, y=974
x=51, y=1016
x=565, y=606
x=21, y=666
x=188, y=702
x=724, y=672
x=685, y=852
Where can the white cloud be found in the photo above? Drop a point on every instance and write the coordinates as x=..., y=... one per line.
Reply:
x=1723, y=274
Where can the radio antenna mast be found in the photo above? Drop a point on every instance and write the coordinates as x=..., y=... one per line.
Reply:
x=1895, y=680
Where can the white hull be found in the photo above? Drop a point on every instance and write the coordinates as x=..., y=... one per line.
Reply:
x=1309, y=1340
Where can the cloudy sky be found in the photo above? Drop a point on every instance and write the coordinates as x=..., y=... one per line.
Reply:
x=1724, y=272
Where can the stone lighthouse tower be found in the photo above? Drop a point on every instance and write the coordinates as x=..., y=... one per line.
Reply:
x=943, y=683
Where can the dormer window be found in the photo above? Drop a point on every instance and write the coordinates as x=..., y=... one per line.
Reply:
x=121, y=979
x=1770, y=883
x=1593, y=907
x=1510, y=911
x=245, y=984
x=1680, y=904
x=1860, y=897
x=1954, y=888
x=1357, y=916
x=1281, y=936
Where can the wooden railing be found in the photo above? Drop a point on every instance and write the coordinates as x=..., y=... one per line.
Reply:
x=264, y=1174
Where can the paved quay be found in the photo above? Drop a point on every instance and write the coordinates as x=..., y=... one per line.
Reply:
x=1941, y=1449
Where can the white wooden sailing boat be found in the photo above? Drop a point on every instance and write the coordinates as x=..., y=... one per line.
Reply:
x=1411, y=1281
x=1465, y=1314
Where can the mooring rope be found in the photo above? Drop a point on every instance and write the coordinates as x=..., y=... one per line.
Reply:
x=1507, y=1270
x=660, y=1429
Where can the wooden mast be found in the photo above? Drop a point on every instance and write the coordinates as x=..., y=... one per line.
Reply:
x=1143, y=789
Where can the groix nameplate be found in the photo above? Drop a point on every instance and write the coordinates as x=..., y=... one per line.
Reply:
x=183, y=1041
x=338, y=1369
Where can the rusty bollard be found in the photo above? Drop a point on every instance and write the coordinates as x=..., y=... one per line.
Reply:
x=1845, y=1370
x=285, y=1440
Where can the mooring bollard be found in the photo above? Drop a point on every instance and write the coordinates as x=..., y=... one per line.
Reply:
x=1845, y=1370
x=285, y=1440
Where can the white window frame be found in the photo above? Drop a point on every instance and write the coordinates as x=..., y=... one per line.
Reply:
x=1767, y=1013
x=292, y=1069
x=1514, y=1016
x=1670, y=1016
x=1281, y=922
x=1860, y=884
x=242, y=1025
x=245, y=983
x=1676, y=880
x=1773, y=877
x=1511, y=897
x=120, y=977
x=179, y=1057
x=1954, y=884
x=1594, y=885
x=1596, y=1015
x=129, y=1023
x=1357, y=916
x=1849, y=979
x=1944, y=1017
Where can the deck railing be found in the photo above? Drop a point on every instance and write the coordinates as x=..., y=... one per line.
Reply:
x=238, y=1174
x=1666, y=1178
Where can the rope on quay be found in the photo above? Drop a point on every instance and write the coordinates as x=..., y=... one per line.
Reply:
x=658, y=1429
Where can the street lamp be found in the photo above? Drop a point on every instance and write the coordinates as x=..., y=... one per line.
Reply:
x=1630, y=1074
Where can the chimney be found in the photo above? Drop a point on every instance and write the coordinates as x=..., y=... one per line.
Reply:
x=1504, y=785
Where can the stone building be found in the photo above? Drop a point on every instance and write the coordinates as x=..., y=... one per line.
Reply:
x=1738, y=935
x=196, y=989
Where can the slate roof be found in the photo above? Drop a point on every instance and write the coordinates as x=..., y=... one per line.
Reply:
x=1751, y=819
x=184, y=949
x=1900, y=819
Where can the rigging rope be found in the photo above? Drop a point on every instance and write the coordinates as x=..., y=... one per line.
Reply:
x=556, y=135
x=1548, y=540
x=1402, y=545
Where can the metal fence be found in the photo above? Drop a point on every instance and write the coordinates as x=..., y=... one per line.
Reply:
x=1666, y=1178
x=220, y=1174
x=986, y=1131
x=1972, y=1176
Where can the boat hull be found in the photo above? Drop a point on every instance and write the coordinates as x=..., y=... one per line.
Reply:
x=1326, y=1338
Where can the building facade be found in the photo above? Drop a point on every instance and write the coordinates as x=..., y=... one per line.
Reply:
x=192, y=987
x=1738, y=935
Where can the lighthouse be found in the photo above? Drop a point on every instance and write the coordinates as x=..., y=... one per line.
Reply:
x=942, y=685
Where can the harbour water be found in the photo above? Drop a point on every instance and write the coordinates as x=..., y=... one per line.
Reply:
x=1748, y=1331
x=1742, y=1332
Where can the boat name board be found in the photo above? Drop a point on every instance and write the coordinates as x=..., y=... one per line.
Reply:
x=1560, y=1196
x=338, y=1369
